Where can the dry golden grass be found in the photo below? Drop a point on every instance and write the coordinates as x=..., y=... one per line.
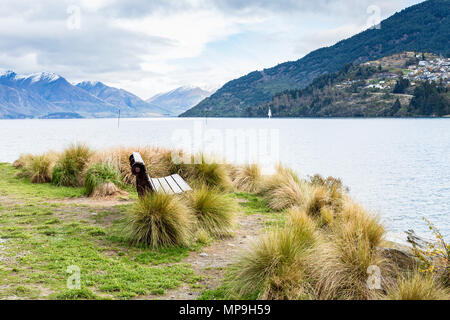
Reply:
x=284, y=189
x=207, y=170
x=341, y=266
x=105, y=190
x=215, y=212
x=22, y=161
x=72, y=163
x=276, y=265
x=417, y=286
x=247, y=178
x=161, y=220
x=288, y=193
x=157, y=160
x=317, y=199
x=38, y=168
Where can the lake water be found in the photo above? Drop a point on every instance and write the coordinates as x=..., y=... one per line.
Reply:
x=398, y=168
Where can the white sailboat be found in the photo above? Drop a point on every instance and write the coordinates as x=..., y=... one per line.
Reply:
x=270, y=113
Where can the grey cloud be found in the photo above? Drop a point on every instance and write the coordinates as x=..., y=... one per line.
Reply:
x=96, y=47
x=139, y=8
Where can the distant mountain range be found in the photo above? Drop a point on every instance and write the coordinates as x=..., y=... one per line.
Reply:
x=47, y=95
x=128, y=103
x=180, y=99
x=423, y=28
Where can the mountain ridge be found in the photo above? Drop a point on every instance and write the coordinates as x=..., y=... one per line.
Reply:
x=179, y=99
x=48, y=95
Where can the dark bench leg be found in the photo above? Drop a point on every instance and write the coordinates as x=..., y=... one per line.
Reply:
x=143, y=184
x=139, y=170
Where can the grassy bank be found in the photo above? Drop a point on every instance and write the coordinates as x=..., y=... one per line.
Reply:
x=79, y=209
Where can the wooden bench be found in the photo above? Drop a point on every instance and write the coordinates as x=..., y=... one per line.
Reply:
x=144, y=183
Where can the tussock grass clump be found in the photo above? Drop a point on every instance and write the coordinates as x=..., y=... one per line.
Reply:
x=39, y=168
x=203, y=237
x=343, y=260
x=215, y=212
x=289, y=192
x=276, y=265
x=65, y=173
x=282, y=174
x=79, y=154
x=327, y=192
x=161, y=220
x=22, y=161
x=36, y=167
x=247, y=178
x=417, y=286
x=70, y=166
x=317, y=199
x=284, y=189
x=207, y=172
x=102, y=180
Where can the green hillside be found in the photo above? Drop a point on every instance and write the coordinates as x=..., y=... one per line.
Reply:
x=402, y=85
x=424, y=27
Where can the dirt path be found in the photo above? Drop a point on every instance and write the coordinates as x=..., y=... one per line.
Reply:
x=211, y=261
x=95, y=202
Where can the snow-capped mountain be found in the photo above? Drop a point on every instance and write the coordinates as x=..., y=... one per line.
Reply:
x=180, y=99
x=129, y=103
x=50, y=95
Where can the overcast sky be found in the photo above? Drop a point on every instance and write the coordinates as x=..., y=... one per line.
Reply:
x=152, y=46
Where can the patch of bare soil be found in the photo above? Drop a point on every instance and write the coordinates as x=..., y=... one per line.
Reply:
x=95, y=202
x=211, y=261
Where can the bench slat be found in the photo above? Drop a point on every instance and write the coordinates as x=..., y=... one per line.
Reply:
x=165, y=186
x=151, y=182
x=173, y=184
x=181, y=183
x=157, y=185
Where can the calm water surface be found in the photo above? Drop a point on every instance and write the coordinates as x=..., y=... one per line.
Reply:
x=398, y=168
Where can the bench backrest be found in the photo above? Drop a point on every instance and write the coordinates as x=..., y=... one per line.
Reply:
x=144, y=183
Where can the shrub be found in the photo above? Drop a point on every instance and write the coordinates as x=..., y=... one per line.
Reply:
x=417, y=286
x=276, y=265
x=214, y=211
x=433, y=257
x=247, y=178
x=161, y=220
x=99, y=178
x=70, y=166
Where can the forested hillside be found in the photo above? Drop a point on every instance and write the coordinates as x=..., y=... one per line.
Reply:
x=423, y=28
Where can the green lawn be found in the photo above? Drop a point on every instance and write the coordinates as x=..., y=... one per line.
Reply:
x=41, y=239
x=42, y=234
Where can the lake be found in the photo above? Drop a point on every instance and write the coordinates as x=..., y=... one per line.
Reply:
x=398, y=168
